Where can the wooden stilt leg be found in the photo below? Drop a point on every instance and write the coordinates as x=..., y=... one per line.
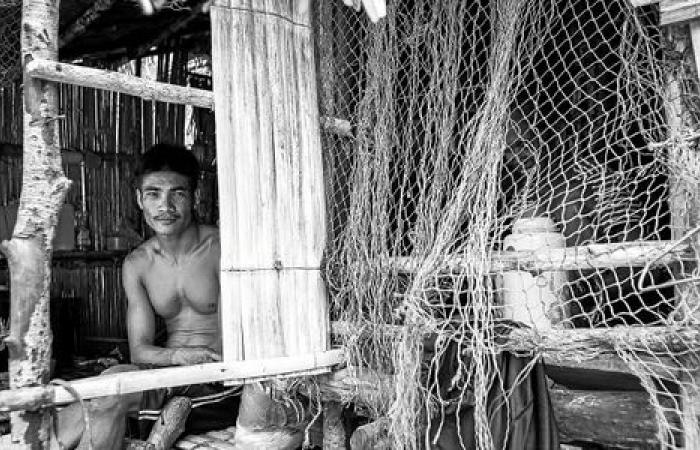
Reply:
x=333, y=429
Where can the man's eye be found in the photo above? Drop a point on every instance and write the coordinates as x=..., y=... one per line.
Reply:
x=151, y=195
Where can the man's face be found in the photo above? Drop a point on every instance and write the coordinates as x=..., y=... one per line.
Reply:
x=166, y=201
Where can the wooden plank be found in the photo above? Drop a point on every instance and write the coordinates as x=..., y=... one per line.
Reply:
x=676, y=11
x=239, y=372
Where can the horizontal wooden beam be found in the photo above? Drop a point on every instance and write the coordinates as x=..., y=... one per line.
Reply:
x=585, y=257
x=649, y=340
x=240, y=372
x=119, y=82
x=146, y=89
x=667, y=341
x=663, y=367
x=675, y=11
x=611, y=418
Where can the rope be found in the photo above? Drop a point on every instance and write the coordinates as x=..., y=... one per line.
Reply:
x=86, y=415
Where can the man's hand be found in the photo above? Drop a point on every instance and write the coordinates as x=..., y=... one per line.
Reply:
x=188, y=356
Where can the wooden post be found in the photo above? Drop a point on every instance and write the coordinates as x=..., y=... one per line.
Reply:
x=333, y=429
x=272, y=203
x=684, y=201
x=29, y=251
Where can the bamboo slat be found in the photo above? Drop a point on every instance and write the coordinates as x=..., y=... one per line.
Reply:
x=272, y=206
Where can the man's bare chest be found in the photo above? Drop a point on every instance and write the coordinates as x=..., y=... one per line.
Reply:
x=174, y=287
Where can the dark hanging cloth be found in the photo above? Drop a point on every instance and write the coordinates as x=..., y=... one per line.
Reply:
x=526, y=422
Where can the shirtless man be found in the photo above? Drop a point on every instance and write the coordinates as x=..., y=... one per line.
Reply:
x=174, y=275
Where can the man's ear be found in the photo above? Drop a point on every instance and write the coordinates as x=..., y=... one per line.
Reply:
x=138, y=199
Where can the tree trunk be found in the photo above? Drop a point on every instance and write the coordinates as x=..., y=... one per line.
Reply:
x=44, y=187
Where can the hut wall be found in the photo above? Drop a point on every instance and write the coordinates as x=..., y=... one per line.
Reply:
x=111, y=130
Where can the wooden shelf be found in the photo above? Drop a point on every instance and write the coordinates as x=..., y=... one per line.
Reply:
x=91, y=255
x=77, y=256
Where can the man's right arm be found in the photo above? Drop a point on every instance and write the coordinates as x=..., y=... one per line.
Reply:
x=140, y=323
x=140, y=320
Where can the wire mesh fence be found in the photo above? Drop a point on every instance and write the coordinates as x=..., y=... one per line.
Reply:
x=512, y=163
x=10, y=16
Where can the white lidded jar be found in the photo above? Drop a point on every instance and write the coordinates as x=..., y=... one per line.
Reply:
x=536, y=299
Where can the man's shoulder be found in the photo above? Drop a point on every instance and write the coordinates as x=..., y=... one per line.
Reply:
x=140, y=254
x=209, y=234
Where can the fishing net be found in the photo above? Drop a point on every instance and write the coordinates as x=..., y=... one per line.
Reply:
x=517, y=178
x=10, y=16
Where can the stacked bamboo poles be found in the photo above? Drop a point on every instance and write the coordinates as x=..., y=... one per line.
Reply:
x=272, y=208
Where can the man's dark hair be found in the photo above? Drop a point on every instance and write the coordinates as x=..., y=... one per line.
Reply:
x=170, y=157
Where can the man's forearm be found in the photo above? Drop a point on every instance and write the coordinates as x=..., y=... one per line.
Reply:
x=179, y=356
x=154, y=355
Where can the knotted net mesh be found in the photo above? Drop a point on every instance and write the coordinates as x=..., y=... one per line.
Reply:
x=518, y=176
x=10, y=16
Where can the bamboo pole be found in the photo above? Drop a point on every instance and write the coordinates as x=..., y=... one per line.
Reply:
x=239, y=372
x=44, y=187
x=592, y=256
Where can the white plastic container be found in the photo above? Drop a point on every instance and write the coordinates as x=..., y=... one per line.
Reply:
x=535, y=299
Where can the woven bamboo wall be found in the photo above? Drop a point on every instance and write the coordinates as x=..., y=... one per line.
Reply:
x=111, y=130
